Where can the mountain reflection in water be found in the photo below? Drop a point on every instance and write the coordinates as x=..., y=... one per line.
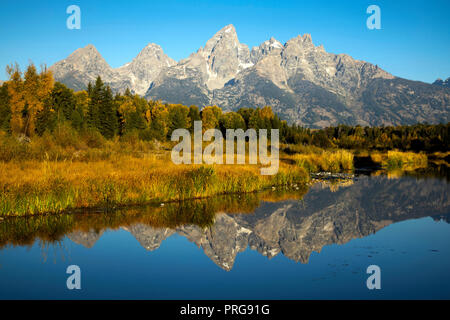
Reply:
x=292, y=222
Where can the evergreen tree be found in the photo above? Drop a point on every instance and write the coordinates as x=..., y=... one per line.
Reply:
x=95, y=100
x=194, y=115
x=246, y=114
x=46, y=119
x=76, y=118
x=89, y=88
x=64, y=102
x=107, y=113
x=128, y=93
x=178, y=118
x=5, y=109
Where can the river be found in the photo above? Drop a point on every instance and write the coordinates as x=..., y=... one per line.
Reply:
x=293, y=243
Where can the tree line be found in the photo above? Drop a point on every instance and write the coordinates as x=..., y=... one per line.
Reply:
x=32, y=103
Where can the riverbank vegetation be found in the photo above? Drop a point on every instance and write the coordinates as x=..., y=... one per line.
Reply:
x=63, y=150
x=400, y=160
x=32, y=187
x=51, y=228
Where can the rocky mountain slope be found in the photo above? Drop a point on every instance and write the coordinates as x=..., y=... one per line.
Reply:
x=442, y=83
x=85, y=64
x=301, y=81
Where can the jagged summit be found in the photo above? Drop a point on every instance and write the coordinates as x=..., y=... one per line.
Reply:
x=442, y=83
x=268, y=47
x=85, y=64
x=87, y=56
x=90, y=46
x=81, y=67
x=144, y=68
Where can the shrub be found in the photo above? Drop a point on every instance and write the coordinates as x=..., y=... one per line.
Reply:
x=92, y=138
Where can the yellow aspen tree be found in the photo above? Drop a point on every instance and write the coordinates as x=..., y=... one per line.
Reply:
x=209, y=120
x=148, y=116
x=82, y=101
x=126, y=106
x=266, y=113
x=215, y=109
x=17, y=100
x=160, y=118
x=37, y=88
x=31, y=86
x=46, y=84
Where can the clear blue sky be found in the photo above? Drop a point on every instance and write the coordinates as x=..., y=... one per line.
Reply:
x=413, y=42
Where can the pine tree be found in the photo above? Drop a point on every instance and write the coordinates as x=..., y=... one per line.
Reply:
x=178, y=118
x=127, y=93
x=5, y=109
x=63, y=100
x=89, y=89
x=194, y=115
x=76, y=118
x=95, y=99
x=46, y=119
x=107, y=113
x=246, y=114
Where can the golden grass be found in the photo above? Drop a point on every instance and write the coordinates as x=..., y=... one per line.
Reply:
x=393, y=160
x=70, y=170
x=201, y=212
x=333, y=161
x=33, y=187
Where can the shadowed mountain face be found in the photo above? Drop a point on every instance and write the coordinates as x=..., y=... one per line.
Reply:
x=442, y=83
x=293, y=228
x=301, y=81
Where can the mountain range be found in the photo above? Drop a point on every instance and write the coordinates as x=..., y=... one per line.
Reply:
x=302, y=82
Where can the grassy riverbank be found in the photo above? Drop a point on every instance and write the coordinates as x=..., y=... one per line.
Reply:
x=57, y=173
x=201, y=212
x=33, y=187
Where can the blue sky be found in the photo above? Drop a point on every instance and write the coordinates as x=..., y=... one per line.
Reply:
x=413, y=42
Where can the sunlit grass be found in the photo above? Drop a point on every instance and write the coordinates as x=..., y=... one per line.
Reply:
x=32, y=187
x=67, y=170
x=201, y=212
x=332, y=161
x=394, y=160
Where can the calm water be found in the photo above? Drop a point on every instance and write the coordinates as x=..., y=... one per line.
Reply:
x=285, y=244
